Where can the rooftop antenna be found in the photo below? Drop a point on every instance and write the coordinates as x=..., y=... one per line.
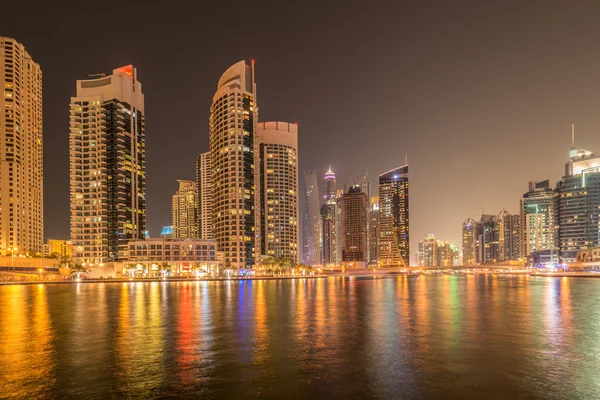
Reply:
x=405, y=158
x=101, y=75
x=573, y=135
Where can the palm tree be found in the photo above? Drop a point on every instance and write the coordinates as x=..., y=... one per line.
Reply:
x=165, y=268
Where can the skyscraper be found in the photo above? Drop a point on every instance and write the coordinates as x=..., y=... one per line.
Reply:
x=509, y=236
x=374, y=231
x=278, y=150
x=354, y=227
x=107, y=158
x=329, y=218
x=429, y=251
x=204, y=209
x=185, y=224
x=312, y=221
x=538, y=215
x=21, y=152
x=577, y=204
x=488, y=240
x=393, y=218
x=233, y=158
x=469, y=241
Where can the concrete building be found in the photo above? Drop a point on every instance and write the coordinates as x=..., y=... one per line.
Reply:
x=577, y=203
x=280, y=213
x=428, y=251
x=60, y=248
x=203, y=196
x=373, y=231
x=469, y=241
x=354, y=228
x=21, y=152
x=394, y=244
x=329, y=218
x=487, y=245
x=538, y=223
x=107, y=166
x=183, y=256
x=183, y=211
x=509, y=236
x=312, y=225
x=234, y=166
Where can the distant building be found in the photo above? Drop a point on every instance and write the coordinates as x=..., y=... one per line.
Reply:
x=328, y=219
x=497, y=238
x=354, y=227
x=509, y=236
x=393, y=218
x=538, y=218
x=429, y=251
x=185, y=224
x=203, y=196
x=278, y=153
x=312, y=225
x=234, y=168
x=577, y=204
x=373, y=231
x=167, y=232
x=487, y=246
x=469, y=241
x=61, y=248
x=108, y=166
x=21, y=150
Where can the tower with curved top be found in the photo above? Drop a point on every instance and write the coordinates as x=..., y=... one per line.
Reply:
x=233, y=165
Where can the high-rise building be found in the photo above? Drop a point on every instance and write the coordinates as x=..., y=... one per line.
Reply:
x=394, y=246
x=203, y=196
x=312, y=225
x=354, y=227
x=234, y=166
x=21, y=148
x=107, y=166
x=469, y=241
x=509, y=236
x=278, y=152
x=577, y=204
x=338, y=226
x=185, y=223
x=429, y=251
x=373, y=238
x=538, y=230
x=487, y=245
x=328, y=219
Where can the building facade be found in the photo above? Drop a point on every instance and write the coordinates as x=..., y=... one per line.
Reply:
x=312, y=219
x=354, y=227
x=469, y=242
x=329, y=218
x=538, y=218
x=394, y=245
x=21, y=152
x=509, y=236
x=203, y=196
x=234, y=166
x=278, y=153
x=183, y=211
x=183, y=256
x=107, y=166
x=577, y=202
x=373, y=231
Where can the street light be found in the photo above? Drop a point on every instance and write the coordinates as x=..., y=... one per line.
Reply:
x=12, y=260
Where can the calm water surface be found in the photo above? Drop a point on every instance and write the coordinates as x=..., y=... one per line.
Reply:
x=439, y=337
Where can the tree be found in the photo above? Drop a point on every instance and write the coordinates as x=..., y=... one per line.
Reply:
x=165, y=268
x=65, y=259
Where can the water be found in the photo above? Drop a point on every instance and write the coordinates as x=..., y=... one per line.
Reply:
x=435, y=337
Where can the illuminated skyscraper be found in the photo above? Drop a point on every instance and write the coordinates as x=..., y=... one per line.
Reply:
x=203, y=196
x=469, y=241
x=577, y=204
x=312, y=225
x=374, y=230
x=21, y=148
x=329, y=218
x=354, y=227
x=393, y=218
x=538, y=216
x=509, y=236
x=185, y=224
x=278, y=149
x=234, y=166
x=107, y=158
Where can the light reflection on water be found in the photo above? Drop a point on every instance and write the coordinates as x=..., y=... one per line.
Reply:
x=400, y=337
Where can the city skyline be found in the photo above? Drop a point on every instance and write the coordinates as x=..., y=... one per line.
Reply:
x=522, y=123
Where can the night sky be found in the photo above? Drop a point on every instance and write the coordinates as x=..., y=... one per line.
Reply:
x=481, y=95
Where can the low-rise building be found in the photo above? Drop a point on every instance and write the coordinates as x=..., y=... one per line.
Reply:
x=176, y=256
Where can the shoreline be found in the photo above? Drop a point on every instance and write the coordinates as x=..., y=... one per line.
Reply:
x=142, y=280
